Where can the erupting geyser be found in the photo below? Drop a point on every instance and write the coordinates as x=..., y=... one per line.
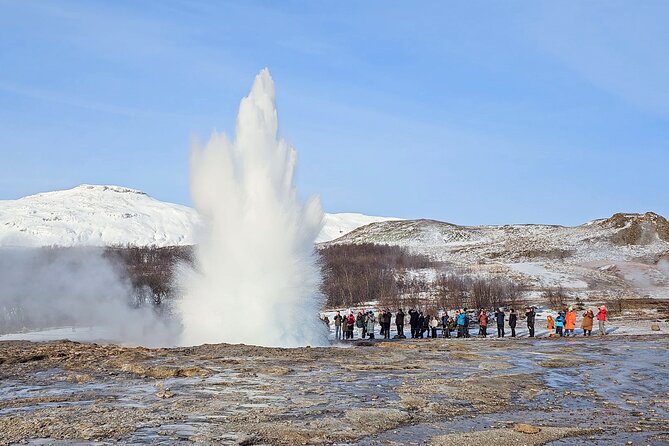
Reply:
x=256, y=278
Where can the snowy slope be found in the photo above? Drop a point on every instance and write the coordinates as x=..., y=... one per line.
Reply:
x=95, y=216
x=90, y=215
x=338, y=225
x=626, y=253
x=618, y=238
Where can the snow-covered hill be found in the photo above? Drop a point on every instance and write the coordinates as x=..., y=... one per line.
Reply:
x=95, y=215
x=91, y=215
x=625, y=254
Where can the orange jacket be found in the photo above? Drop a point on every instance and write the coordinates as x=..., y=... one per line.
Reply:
x=550, y=323
x=570, y=320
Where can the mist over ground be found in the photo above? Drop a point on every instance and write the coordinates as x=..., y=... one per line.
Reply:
x=51, y=288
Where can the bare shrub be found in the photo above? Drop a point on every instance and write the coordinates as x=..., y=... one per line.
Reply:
x=465, y=291
x=368, y=272
x=150, y=269
x=556, y=297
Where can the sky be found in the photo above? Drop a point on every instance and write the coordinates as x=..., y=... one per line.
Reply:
x=471, y=112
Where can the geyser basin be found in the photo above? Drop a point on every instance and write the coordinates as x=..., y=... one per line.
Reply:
x=256, y=278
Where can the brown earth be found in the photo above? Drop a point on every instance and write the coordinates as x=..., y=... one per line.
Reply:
x=236, y=394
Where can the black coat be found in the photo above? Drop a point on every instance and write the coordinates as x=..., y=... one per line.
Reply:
x=512, y=320
x=413, y=318
x=399, y=318
x=387, y=318
x=530, y=317
x=500, y=318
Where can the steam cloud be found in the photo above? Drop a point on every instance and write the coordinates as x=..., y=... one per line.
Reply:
x=42, y=288
x=256, y=277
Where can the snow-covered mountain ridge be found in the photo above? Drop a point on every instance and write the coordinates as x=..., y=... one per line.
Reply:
x=622, y=236
x=98, y=215
x=624, y=254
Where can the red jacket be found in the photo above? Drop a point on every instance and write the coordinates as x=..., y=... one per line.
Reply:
x=601, y=315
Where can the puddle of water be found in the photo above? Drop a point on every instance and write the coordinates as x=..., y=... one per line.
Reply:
x=626, y=376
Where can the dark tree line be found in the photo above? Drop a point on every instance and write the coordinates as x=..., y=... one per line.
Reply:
x=149, y=269
x=352, y=274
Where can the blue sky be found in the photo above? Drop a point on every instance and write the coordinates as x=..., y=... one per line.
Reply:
x=473, y=112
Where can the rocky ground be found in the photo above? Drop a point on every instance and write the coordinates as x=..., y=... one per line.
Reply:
x=608, y=390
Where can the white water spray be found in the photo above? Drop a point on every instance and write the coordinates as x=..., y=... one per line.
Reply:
x=256, y=278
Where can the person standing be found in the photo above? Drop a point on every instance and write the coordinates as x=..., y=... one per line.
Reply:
x=350, y=324
x=461, y=324
x=382, y=317
x=452, y=325
x=337, y=324
x=499, y=315
x=369, y=324
x=586, y=324
x=387, y=318
x=423, y=324
x=385, y=321
x=530, y=314
x=601, y=320
x=344, y=327
x=466, y=323
x=413, y=322
x=445, y=328
x=559, y=323
x=434, y=323
x=483, y=323
x=513, y=316
x=550, y=324
x=399, y=323
x=360, y=325
x=570, y=322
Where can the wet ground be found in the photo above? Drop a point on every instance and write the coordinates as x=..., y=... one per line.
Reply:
x=609, y=390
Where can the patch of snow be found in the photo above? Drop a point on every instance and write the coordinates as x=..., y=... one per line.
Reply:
x=77, y=334
x=428, y=275
x=545, y=277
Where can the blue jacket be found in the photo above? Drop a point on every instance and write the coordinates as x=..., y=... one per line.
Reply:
x=559, y=321
x=461, y=319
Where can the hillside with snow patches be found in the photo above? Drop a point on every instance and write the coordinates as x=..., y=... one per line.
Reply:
x=91, y=215
x=625, y=255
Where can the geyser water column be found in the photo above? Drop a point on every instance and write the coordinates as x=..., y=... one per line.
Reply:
x=256, y=278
